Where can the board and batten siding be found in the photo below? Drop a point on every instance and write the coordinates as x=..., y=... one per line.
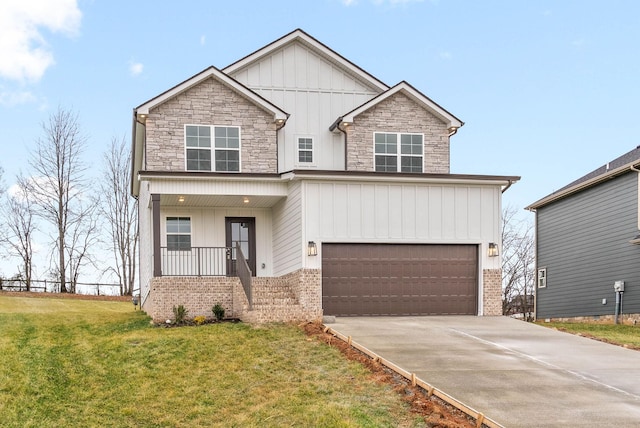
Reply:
x=287, y=232
x=315, y=92
x=583, y=242
x=403, y=213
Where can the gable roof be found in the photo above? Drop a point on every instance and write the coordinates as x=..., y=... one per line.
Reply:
x=213, y=72
x=612, y=169
x=316, y=46
x=408, y=90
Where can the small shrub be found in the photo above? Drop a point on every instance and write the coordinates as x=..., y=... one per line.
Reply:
x=218, y=311
x=180, y=314
x=199, y=320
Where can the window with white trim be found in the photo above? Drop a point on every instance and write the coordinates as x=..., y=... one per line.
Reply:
x=397, y=152
x=178, y=233
x=542, y=277
x=223, y=155
x=305, y=150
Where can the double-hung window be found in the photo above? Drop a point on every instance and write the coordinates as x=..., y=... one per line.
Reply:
x=178, y=233
x=305, y=151
x=223, y=155
x=397, y=152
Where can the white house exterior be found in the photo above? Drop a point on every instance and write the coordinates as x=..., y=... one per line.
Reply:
x=335, y=186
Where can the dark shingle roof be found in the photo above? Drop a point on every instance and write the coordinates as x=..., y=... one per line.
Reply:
x=607, y=170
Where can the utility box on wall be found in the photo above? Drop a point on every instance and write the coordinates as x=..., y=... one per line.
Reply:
x=618, y=286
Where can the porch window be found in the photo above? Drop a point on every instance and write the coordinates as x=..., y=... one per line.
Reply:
x=396, y=152
x=223, y=156
x=178, y=233
x=305, y=150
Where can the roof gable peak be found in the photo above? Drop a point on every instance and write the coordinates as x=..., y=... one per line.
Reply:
x=300, y=36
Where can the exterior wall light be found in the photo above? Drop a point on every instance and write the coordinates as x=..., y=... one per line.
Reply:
x=312, y=249
x=493, y=249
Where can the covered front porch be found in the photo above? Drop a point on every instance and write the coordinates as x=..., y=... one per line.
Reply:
x=224, y=248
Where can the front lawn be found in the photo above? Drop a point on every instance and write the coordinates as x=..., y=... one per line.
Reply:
x=94, y=363
x=618, y=334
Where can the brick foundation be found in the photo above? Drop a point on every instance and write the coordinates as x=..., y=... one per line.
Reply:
x=629, y=319
x=296, y=296
x=492, y=292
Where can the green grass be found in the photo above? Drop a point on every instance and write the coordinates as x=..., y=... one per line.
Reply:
x=618, y=334
x=84, y=363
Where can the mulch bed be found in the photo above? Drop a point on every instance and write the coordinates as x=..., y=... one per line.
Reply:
x=436, y=413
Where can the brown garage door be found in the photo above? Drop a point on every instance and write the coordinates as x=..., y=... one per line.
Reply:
x=390, y=279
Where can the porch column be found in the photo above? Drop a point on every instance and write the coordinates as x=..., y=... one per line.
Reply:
x=155, y=213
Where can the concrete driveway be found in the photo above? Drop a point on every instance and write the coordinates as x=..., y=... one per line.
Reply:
x=516, y=373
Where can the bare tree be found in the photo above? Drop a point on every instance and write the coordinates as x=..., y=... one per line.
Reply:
x=57, y=184
x=518, y=265
x=121, y=211
x=17, y=233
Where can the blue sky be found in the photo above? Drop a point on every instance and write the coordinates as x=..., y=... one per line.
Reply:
x=548, y=90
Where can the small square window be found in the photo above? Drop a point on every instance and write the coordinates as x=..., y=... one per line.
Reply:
x=305, y=150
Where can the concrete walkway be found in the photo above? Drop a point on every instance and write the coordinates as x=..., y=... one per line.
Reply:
x=516, y=373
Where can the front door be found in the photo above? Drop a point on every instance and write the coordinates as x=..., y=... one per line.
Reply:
x=241, y=230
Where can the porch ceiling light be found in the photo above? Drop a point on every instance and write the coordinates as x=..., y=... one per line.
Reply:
x=245, y=200
x=493, y=249
x=312, y=249
x=180, y=199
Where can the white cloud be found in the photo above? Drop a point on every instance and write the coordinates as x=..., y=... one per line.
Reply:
x=445, y=55
x=203, y=40
x=349, y=2
x=12, y=98
x=135, y=68
x=24, y=52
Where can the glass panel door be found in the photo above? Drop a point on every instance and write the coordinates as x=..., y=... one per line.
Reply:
x=241, y=230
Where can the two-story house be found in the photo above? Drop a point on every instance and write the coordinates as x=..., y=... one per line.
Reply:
x=293, y=184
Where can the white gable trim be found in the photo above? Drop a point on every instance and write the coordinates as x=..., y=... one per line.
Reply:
x=316, y=46
x=414, y=94
x=212, y=72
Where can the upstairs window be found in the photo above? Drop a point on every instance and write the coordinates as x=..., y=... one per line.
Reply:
x=398, y=152
x=178, y=233
x=224, y=156
x=305, y=150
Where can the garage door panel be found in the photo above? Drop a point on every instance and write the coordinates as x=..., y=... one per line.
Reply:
x=392, y=279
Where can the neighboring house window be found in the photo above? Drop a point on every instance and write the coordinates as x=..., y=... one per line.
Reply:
x=542, y=278
x=223, y=156
x=398, y=152
x=178, y=233
x=305, y=150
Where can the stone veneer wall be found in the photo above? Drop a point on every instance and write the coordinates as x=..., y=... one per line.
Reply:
x=210, y=103
x=492, y=292
x=398, y=113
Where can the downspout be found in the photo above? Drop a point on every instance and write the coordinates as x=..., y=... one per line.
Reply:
x=336, y=125
x=633, y=168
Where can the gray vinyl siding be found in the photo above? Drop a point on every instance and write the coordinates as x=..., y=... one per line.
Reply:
x=583, y=242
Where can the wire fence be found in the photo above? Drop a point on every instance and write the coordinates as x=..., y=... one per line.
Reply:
x=52, y=286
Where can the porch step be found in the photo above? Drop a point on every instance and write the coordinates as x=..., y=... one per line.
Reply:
x=270, y=291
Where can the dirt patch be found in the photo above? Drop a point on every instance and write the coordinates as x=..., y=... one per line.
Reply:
x=436, y=413
x=64, y=296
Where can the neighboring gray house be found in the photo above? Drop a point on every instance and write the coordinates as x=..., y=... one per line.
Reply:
x=587, y=239
x=293, y=184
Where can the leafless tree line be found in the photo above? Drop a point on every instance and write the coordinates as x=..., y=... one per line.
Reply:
x=57, y=192
x=518, y=265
